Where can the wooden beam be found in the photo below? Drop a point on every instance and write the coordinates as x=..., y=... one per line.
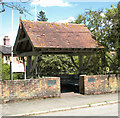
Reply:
x=81, y=53
x=74, y=62
x=25, y=54
x=45, y=51
x=24, y=46
x=34, y=63
x=24, y=68
x=35, y=53
x=80, y=64
x=22, y=40
x=66, y=50
x=28, y=37
x=89, y=59
x=29, y=64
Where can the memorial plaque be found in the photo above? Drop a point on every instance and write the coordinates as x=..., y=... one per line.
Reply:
x=51, y=82
x=91, y=79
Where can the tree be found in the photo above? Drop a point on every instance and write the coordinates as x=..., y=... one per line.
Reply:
x=102, y=26
x=118, y=51
x=55, y=65
x=5, y=72
x=105, y=28
x=114, y=17
x=41, y=16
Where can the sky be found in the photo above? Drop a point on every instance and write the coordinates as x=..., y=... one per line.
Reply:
x=55, y=10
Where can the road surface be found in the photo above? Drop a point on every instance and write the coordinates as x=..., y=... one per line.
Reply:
x=0, y=110
x=106, y=110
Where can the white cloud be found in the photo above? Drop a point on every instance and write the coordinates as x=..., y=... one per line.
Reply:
x=49, y=3
x=70, y=19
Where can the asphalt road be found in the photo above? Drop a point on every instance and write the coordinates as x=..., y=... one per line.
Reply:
x=0, y=110
x=106, y=110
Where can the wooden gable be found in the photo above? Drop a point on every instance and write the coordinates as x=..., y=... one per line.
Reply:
x=23, y=42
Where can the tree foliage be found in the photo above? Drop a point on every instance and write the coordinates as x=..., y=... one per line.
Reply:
x=55, y=65
x=41, y=16
x=5, y=72
x=105, y=28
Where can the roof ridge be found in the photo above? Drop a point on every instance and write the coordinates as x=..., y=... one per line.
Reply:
x=52, y=22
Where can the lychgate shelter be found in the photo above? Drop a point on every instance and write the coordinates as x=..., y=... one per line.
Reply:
x=40, y=38
x=36, y=38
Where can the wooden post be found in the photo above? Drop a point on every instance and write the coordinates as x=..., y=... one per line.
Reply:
x=11, y=74
x=24, y=68
x=34, y=63
x=29, y=64
x=80, y=64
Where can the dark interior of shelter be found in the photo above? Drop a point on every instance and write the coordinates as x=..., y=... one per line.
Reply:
x=69, y=83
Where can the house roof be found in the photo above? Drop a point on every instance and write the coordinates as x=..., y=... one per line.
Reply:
x=5, y=49
x=59, y=35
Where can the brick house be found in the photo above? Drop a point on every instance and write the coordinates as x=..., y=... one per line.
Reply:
x=6, y=50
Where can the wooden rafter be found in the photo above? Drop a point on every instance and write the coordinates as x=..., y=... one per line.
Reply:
x=22, y=40
x=74, y=62
x=88, y=62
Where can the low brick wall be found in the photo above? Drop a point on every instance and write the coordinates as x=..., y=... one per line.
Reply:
x=97, y=84
x=29, y=89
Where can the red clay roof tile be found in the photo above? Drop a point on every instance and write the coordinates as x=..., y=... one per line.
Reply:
x=59, y=35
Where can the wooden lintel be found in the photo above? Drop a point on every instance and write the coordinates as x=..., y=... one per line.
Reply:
x=35, y=53
x=57, y=51
x=25, y=54
x=67, y=50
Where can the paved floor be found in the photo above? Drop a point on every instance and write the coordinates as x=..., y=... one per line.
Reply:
x=66, y=100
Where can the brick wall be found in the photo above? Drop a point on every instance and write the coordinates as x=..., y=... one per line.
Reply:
x=30, y=88
x=97, y=84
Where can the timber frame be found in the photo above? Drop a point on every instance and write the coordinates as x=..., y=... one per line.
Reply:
x=24, y=48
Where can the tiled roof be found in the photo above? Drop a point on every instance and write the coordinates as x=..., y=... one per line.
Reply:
x=5, y=49
x=59, y=35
